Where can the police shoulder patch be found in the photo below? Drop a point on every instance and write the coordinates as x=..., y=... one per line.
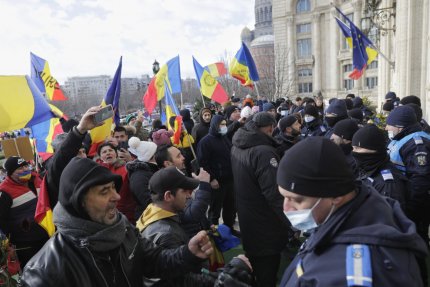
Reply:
x=274, y=162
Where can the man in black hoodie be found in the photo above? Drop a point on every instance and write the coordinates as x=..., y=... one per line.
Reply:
x=95, y=245
x=213, y=153
x=202, y=128
x=263, y=226
x=187, y=120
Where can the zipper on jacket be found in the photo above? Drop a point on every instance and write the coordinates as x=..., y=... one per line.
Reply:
x=95, y=264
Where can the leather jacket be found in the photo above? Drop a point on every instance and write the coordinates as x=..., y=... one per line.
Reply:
x=67, y=262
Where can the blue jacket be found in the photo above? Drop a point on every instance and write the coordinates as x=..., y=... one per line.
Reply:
x=390, y=236
x=410, y=152
x=213, y=152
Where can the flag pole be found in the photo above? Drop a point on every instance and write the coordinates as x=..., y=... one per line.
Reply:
x=203, y=99
x=182, y=102
x=256, y=89
x=373, y=45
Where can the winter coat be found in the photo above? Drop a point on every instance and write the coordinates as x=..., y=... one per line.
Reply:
x=139, y=174
x=201, y=129
x=68, y=262
x=213, y=152
x=186, y=119
x=263, y=224
x=390, y=236
x=127, y=203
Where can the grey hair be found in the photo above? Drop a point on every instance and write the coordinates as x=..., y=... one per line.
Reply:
x=58, y=141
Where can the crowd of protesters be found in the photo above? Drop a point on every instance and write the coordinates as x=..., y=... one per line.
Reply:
x=350, y=185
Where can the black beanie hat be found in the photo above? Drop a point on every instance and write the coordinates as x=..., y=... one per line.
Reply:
x=78, y=176
x=402, y=116
x=388, y=106
x=370, y=137
x=286, y=122
x=391, y=96
x=13, y=163
x=356, y=114
x=337, y=107
x=315, y=167
x=311, y=110
x=411, y=100
x=417, y=109
x=345, y=128
x=264, y=119
x=229, y=110
x=349, y=104
x=357, y=102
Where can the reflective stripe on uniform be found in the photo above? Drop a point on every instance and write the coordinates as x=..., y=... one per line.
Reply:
x=20, y=200
x=358, y=265
x=299, y=269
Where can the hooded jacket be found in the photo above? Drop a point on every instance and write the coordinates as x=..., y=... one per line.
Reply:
x=186, y=119
x=263, y=224
x=391, y=237
x=139, y=174
x=202, y=128
x=213, y=152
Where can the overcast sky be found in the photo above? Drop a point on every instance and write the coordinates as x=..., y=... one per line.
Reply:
x=87, y=37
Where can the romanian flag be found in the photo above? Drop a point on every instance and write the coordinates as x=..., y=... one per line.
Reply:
x=21, y=103
x=173, y=111
x=43, y=215
x=209, y=87
x=243, y=68
x=47, y=84
x=169, y=73
x=45, y=132
x=216, y=69
x=363, y=50
x=99, y=134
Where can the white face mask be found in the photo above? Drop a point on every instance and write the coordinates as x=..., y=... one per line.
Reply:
x=391, y=135
x=223, y=130
x=284, y=113
x=302, y=219
x=309, y=119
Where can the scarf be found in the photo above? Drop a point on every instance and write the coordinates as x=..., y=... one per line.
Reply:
x=100, y=237
x=152, y=214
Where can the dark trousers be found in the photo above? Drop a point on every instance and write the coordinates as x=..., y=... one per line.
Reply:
x=223, y=199
x=265, y=269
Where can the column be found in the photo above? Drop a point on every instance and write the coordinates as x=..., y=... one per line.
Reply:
x=291, y=46
x=316, y=51
x=334, y=50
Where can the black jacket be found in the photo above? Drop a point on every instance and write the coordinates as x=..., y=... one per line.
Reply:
x=213, y=152
x=68, y=262
x=263, y=224
x=186, y=119
x=314, y=128
x=367, y=219
x=139, y=174
x=284, y=143
x=201, y=129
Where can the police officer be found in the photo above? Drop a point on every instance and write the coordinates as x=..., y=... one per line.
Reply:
x=409, y=150
x=350, y=246
x=370, y=153
x=312, y=123
x=335, y=112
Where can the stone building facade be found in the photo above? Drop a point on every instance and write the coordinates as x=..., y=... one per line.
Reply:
x=319, y=59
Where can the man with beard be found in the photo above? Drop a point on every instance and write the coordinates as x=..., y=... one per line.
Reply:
x=335, y=112
x=264, y=228
x=313, y=125
x=342, y=135
x=202, y=128
x=370, y=154
x=289, y=128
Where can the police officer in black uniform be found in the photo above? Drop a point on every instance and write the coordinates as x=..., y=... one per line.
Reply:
x=409, y=150
x=370, y=153
x=313, y=125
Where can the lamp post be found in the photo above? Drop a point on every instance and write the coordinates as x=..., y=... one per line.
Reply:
x=377, y=20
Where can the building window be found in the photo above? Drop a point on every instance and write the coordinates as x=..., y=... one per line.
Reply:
x=347, y=68
x=305, y=73
x=348, y=84
x=304, y=48
x=371, y=82
x=345, y=44
x=303, y=6
x=373, y=65
x=305, y=88
x=304, y=28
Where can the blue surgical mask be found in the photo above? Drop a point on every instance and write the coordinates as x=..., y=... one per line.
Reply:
x=302, y=219
x=223, y=130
